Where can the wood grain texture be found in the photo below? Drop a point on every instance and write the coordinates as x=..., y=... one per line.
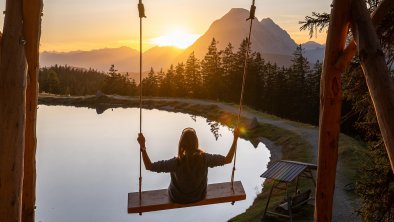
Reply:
x=330, y=110
x=159, y=200
x=12, y=113
x=32, y=10
x=377, y=17
x=380, y=85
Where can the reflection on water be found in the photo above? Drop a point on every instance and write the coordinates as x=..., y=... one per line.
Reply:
x=193, y=117
x=87, y=163
x=214, y=128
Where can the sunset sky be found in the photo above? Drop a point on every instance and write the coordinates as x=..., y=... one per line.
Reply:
x=70, y=25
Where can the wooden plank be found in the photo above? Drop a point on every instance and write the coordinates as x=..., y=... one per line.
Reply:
x=278, y=214
x=330, y=110
x=159, y=200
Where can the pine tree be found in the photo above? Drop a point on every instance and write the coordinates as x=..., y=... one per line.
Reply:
x=193, y=76
x=300, y=69
x=162, y=87
x=254, y=82
x=274, y=82
x=179, y=80
x=228, y=59
x=313, y=93
x=150, y=84
x=111, y=84
x=212, y=73
x=167, y=83
x=112, y=70
x=53, y=83
x=237, y=72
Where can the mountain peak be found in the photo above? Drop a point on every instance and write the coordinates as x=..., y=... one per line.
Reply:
x=267, y=20
x=267, y=37
x=237, y=13
x=310, y=45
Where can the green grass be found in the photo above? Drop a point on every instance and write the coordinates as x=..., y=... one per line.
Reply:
x=294, y=147
x=255, y=212
x=352, y=153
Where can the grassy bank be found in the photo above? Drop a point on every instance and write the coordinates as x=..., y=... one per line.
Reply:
x=351, y=154
x=294, y=147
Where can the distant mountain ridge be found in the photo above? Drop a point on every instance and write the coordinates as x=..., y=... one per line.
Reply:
x=274, y=44
x=313, y=51
x=100, y=59
x=124, y=58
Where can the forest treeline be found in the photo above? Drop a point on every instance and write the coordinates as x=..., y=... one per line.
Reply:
x=290, y=92
x=66, y=80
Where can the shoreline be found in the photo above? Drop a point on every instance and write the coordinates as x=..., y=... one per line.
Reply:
x=285, y=139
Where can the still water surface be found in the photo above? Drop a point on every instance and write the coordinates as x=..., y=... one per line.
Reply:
x=87, y=163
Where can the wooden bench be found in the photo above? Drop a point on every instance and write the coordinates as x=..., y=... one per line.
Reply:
x=159, y=200
x=297, y=202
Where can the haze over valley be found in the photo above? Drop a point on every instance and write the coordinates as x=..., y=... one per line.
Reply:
x=273, y=42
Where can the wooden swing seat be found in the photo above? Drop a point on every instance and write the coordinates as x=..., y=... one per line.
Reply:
x=155, y=200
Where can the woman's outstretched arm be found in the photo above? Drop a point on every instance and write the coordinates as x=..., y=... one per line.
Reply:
x=231, y=152
x=145, y=157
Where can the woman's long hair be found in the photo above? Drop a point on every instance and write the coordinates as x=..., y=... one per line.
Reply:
x=188, y=145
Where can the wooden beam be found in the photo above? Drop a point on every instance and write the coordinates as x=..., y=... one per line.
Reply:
x=32, y=10
x=155, y=200
x=330, y=110
x=381, y=11
x=1, y=38
x=12, y=112
x=380, y=85
x=377, y=17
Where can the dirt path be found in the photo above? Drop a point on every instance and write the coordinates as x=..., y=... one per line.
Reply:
x=343, y=204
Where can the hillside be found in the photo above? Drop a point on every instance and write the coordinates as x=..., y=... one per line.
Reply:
x=124, y=58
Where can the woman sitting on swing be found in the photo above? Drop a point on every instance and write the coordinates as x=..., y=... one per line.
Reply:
x=189, y=170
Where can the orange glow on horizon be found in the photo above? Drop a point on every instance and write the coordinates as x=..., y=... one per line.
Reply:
x=178, y=38
x=87, y=46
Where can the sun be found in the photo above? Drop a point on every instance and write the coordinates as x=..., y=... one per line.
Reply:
x=179, y=39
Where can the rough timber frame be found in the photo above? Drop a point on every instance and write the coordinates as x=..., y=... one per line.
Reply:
x=346, y=13
x=19, y=47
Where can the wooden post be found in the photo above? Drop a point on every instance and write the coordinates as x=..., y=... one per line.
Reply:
x=330, y=110
x=377, y=16
x=12, y=112
x=380, y=86
x=32, y=10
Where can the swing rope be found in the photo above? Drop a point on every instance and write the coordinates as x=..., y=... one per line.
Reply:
x=141, y=12
x=251, y=18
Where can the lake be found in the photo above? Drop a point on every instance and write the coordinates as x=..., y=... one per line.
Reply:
x=87, y=163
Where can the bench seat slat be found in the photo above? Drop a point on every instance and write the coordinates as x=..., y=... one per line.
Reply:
x=155, y=200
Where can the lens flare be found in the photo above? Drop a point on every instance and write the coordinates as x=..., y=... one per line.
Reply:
x=177, y=39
